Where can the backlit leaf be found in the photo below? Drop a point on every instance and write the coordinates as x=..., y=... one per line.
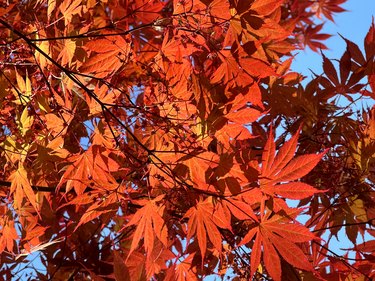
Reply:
x=67, y=53
x=106, y=56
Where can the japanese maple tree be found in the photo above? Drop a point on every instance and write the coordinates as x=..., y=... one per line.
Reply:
x=170, y=140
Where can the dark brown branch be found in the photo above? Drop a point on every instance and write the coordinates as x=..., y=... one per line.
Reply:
x=343, y=260
x=161, y=165
x=51, y=189
x=82, y=35
x=346, y=224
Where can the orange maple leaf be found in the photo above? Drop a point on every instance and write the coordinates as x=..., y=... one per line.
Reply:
x=282, y=168
x=149, y=222
x=203, y=221
x=106, y=56
x=279, y=237
x=21, y=186
x=92, y=165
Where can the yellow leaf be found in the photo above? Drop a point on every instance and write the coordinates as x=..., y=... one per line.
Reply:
x=57, y=146
x=51, y=7
x=44, y=46
x=23, y=93
x=43, y=103
x=70, y=8
x=358, y=209
x=13, y=150
x=260, y=268
x=26, y=121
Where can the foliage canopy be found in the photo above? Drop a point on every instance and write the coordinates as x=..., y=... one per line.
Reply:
x=166, y=140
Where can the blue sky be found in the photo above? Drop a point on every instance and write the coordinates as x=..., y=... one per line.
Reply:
x=352, y=24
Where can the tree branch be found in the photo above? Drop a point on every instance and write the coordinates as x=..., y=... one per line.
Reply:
x=38, y=188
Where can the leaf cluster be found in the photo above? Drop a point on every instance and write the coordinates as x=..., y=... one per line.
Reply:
x=137, y=142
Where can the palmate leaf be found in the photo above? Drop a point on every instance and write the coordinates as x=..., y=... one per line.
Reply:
x=329, y=7
x=23, y=92
x=9, y=235
x=282, y=168
x=67, y=53
x=184, y=271
x=240, y=72
x=106, y=56
x=203, y=222
x=94, y=165
x=312, y=38
x=150, y=223
x=21, y=187
x=96, y=209
x=70, y=8
x=278, y=238
x=175, y=98
x=278, y=234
